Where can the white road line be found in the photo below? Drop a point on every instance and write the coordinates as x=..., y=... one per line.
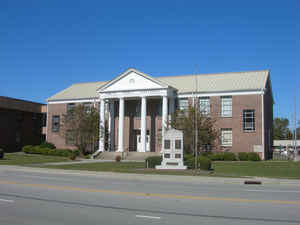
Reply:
x=6, y=200
x=274, y=191
x=148, y=217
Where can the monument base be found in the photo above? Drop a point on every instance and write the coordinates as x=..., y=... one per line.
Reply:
x=170, y=167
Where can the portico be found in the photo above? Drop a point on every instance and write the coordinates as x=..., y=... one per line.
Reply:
x=133, y=86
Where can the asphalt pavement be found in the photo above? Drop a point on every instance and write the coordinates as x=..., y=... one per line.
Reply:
x=43, y=196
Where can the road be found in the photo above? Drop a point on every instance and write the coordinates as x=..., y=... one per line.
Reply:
x=34, y=196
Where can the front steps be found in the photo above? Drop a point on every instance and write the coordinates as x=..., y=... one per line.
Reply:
x=134, y=156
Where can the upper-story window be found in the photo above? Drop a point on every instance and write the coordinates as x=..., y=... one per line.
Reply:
x=55, y=123
x=249, y=120
x=183, y=104
x=204, y=105
x=88, y=106
x=226, y=102
x=70, y=106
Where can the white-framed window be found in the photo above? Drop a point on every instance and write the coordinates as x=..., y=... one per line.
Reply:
x=183, y=104
x=55, y=123
x=204, y=105
x=226, y=137
x=249, y=120
x=88, y=106
x=70, y=106
x=226, y=103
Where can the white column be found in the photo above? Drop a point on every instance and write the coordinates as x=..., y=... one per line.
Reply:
x=111, y=127
x=164, y=115
x=143, y=123
x=121, y=125
x=101, y=126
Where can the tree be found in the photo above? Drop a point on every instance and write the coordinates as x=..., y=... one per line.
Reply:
x=186, y=121
x=80, y=127
x=281, y=129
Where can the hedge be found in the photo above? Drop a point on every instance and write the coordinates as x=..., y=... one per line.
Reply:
x=47, y=151
x=153, y=161
x=46, y=144
x=243, y=156
x=204, y=163
x=229, y=156
x=253, y=156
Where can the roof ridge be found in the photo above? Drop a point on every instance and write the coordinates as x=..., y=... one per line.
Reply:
x=209, y=74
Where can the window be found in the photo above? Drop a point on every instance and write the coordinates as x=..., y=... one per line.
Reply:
x=204, y=105
x=167, y=144
x=177, y=144
x=226, y=137
x=226, y=102
x=55, y=123
x=167, y=155
x=249, y=120
x=88, y=107
x=70, y=106
x=183, y=104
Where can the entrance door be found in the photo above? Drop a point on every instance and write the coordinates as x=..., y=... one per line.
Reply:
x=139, y=143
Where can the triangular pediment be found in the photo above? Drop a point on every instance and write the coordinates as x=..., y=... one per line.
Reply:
x=132, y=79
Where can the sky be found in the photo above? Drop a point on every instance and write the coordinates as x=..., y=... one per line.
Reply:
x=45, y=46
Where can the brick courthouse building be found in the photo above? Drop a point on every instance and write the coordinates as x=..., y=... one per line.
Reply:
x=135, y=107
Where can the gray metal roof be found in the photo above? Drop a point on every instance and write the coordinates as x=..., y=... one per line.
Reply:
x=207, y=83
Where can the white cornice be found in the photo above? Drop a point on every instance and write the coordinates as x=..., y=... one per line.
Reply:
x=65, y=101
x=189, y=95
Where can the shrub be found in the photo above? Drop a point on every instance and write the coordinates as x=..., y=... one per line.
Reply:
x=229, y=156
x=219, y=156
x=1, y=153
x=153, y=161
x=46, y=144
x=47, y=151
x=118, y=158
x=72, y=155
x=189, y=161
x=243, y=156
x=204, y=163
x=253, y=156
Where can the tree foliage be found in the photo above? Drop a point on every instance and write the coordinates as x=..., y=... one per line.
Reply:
x=80, y=127
x=185, y=121
x=281, y=129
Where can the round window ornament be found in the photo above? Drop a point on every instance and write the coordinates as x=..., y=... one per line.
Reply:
x=131, y=81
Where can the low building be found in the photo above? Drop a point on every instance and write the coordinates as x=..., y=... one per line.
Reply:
x=21, y=123
x=135, y=108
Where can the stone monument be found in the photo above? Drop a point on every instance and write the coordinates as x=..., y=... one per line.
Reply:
x=172, y=150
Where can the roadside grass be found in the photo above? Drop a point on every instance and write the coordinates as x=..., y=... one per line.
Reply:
x=21, y=159
x=271, y=169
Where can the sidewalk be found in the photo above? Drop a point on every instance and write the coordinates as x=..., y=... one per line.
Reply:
x=84, y=161
x=156, y=177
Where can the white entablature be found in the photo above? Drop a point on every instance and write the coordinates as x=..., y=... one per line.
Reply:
x=134, y=83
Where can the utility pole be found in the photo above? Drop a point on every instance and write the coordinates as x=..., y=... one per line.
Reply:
x=295, y=127
x=196, y=122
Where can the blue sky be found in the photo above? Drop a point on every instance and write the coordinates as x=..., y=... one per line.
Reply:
x=45, y=46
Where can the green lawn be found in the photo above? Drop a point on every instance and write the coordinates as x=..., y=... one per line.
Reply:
x=26, y=159
x=273, y=169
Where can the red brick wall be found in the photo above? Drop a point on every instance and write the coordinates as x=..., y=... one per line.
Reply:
x=19, y=128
